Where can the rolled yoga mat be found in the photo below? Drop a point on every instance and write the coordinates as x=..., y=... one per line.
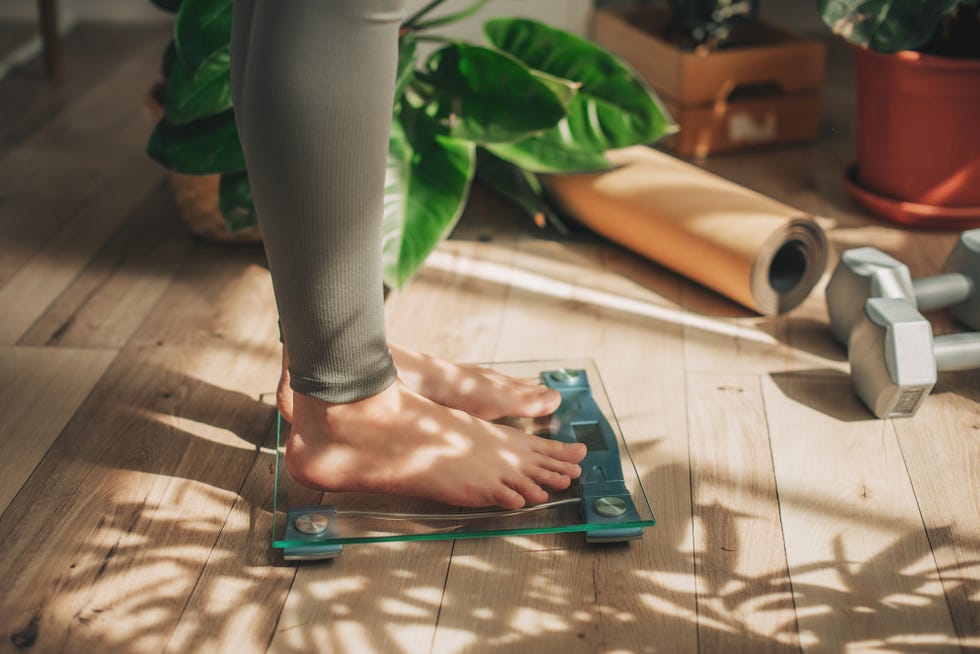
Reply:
x=759, y=252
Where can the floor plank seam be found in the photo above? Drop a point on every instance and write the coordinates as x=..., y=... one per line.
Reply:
x=285, y=598
x=960, y=636
x=442, y=599
x=214, y=544
x=690, y=491
x=782, y=528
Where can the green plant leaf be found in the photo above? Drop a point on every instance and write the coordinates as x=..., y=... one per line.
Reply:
x=613, y=107
x=428, y=178
x=551, y=152
x=235, y=201
x=191, y=96
x=518, y=186
x=203, y=28
x=487, y=96
x=198, y=148
x=565, y=90
x=885, y=25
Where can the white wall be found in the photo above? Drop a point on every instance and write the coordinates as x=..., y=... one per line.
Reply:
x=567, y=14
x=571, y=15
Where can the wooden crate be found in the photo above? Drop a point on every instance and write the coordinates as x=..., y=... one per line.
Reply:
x=765, y=89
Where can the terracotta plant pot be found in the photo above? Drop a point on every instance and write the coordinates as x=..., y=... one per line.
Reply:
x=918, y=138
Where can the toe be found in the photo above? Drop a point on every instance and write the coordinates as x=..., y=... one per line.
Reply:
x=535, y=402
x=508, y=498
x=569, y=452
x=551, y=479
x=533, y=493
x=540, y=402
x=564, y=468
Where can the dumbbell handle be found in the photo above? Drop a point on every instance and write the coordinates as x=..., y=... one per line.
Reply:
x=941, y=291
x=957, y=351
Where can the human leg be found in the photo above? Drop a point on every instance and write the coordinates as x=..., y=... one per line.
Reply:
x=316, y=85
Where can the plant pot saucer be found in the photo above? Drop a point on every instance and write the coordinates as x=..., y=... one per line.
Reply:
x=910, y=214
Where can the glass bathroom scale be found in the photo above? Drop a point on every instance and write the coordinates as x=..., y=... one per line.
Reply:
x=606, y=504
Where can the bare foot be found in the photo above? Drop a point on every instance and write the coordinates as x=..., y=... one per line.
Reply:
x=400, y=443
x=481, y=392
x=478, y=391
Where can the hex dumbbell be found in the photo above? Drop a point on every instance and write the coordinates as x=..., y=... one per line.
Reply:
x=894, y=356
x=864, y=273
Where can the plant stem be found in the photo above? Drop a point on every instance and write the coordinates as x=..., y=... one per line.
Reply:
x=433, y=38
x=452, y=18
x=410, y=22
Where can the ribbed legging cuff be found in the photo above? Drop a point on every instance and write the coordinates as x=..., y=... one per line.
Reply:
x=348, y=391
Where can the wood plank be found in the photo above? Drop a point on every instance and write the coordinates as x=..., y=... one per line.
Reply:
x=91, y=51
x=562, y=304
x=105, y=304
x=377, y=598
x=241, y=564
x=65, y=169
x=50, y=271
x=568, y=600
x=466, y=310
x=941, y=449
x=42, y=390
x=862, y=569
x=137, y=487
x=745, y=600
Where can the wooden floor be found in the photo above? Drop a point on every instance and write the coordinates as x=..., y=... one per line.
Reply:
x=136, y=456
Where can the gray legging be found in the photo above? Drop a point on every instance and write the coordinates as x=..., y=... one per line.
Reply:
x=312, y=85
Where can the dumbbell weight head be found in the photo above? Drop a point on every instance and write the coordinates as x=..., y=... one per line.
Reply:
x=863, y=273
x=965, y=259
x=860, y=274
x=893, y=365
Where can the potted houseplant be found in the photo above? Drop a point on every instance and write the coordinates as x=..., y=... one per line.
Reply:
x=565, y=102
x=708, y=24
x=918, y=100
x=730, y=79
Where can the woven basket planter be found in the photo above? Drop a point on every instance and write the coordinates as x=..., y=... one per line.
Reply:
x=196, y=196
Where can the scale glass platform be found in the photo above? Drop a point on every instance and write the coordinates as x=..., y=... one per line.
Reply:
x=607, y=503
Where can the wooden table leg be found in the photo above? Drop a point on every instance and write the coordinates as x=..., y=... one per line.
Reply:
x=48, y=10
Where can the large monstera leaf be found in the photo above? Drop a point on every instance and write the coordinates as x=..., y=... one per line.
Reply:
x=886, y=25
x=613, y=108
x=487, y=96
x=428, y=178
